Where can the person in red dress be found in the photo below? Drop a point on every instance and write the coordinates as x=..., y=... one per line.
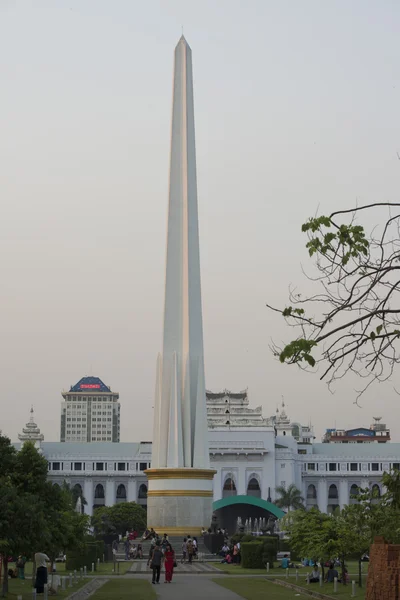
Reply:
x=169, y=558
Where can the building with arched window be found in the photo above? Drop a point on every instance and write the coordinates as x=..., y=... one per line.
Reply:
x=252, y=456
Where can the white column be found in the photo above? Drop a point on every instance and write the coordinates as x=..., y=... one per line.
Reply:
x=217, y=486
x=88, y=493
x=132, y=490
x=110, y=492
x=241, y=480
x=322, y=495
x=343, y=493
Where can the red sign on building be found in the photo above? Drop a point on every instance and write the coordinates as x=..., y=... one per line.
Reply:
x=90, y=386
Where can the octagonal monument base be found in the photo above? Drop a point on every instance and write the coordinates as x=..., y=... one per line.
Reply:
x=179, y=501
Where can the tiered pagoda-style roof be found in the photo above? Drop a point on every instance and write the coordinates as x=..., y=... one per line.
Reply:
x=31, y=431
x=228, y=409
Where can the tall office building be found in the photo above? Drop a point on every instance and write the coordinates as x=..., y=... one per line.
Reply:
x=90, y=412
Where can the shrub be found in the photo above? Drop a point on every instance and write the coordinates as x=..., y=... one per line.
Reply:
x=252, y=555
x=270, y=548
x=248, y=538
x=84, y=558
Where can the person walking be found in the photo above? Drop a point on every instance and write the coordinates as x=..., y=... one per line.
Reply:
x=169, y=563
x=184, y=551
x=189, y=547
x=41, y=571
x=195, y=548
x=127, y=546
x=156, y=562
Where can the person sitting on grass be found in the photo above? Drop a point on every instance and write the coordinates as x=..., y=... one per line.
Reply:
x=227, y=559
x=285, y=562
x=314, y=577
x=331, y=574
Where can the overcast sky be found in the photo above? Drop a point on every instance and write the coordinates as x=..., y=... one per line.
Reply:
x=297, y=109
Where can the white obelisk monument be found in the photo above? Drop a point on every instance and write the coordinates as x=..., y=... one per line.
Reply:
x=180, y=479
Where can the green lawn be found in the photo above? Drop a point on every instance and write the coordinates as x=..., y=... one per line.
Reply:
x=18, y=587
x=238, y=570
x=124, y=589
x=102, y=569
x=259, y=589
x=108, y=568
x=344, y=591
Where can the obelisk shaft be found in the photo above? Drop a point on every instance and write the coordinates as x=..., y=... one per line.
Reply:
x=181, y=391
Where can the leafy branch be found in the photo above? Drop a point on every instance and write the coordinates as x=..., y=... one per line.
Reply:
x=351, y=324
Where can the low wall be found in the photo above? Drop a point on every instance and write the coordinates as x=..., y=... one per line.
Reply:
x=383, y=581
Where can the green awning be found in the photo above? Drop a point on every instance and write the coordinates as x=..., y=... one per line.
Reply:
x=231, y=500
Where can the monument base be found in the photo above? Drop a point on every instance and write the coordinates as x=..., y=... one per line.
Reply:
x=179, y=501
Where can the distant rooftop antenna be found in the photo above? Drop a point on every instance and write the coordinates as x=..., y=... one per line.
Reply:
x=377, y=419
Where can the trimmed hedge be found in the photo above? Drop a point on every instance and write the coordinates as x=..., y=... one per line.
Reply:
x=270, y=548
x=248, y=538
x=252, y=555
x=257, y=553
x=85, y=558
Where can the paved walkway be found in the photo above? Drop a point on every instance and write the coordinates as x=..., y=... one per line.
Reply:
x=195, y=588
x=195, y=568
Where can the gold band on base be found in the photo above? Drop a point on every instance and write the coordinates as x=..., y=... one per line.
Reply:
x=196, y=493
x=180, y=473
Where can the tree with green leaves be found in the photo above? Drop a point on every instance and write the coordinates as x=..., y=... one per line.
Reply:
x=34, y=514
x=351, y=323
x=391, y=482
x=312, y=535
x=120, y=518
x=289, y=498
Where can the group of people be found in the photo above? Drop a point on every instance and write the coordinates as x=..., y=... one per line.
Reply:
x=330, y=577
x=230, y=554
x=190, y=549
x=19, y=571
x=132, y=550
x=162, y=553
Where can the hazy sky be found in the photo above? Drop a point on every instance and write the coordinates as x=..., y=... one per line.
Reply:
x=296, y=106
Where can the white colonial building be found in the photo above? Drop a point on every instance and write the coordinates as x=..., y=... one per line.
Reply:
x=251, y=454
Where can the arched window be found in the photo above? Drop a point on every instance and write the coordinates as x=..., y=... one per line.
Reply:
x=142, y=491
x=56, y=485
x=227, y=412
x=121, y=493
x=99, y=491
x=296, y=431
x=227, y=423
x=375, y=491
x=354, y=492
x=253, y=488
x=333, y=492
x=229, y=484
x=311, y=492
x=77, y=489
x=229, y=488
